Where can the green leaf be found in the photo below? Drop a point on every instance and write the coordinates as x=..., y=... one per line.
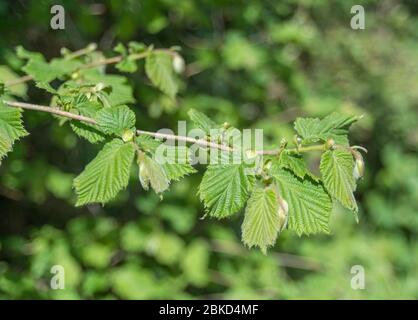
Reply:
x=43, y=71
x=178, y=166
x=120, y=48
x=296, y=164
x=151, y=173
x=309, y=204
x=261, y=222
x=136, y=47
x=147, y=143
x=106, y=175
x=127, y=64
x=159, y=69
x=22, y=53
x=18, y=90
x=11, y=128
x=176, y=171
x=88, y=131
x=225, y=188
x=116, y=120
x=121, y=92
x=333, y=126
x=337, y=168
x=202, y=121
x=176, y=162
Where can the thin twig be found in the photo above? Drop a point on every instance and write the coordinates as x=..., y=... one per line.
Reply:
x=17, y=81
x=52, y=110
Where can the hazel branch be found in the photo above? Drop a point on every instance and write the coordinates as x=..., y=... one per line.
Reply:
x=200, y=142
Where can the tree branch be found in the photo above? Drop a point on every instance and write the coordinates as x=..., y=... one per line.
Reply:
x=200, y=142
x=52, y=110
x=90, y=65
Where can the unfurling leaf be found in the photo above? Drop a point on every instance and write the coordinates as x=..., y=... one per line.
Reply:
x=358, y=172
x=116, y=120
x=261, y=221
x=105, y=175
x=225, y=188
x=337, y=168
x=151, y=173
x=159, y=69
x=309, y=204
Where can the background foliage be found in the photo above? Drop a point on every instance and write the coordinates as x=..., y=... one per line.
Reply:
x=255, y=64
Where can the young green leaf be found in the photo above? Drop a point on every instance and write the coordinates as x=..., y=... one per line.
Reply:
x=337, y=172
x=44, y=71
x=105, y=175
x=121, y=92
x=88, y=131
x=261, y=222
x=225, y=189
x=296, y=164
x=333, y=126
x=176, y=171
x=147, y=143
x=309, y=204
x=6, y=74
x=116, y=120
x=11, y=128
x=159, y=69
x=151, y=173
x=177, y=162
x=127, y=64
x=202, y=121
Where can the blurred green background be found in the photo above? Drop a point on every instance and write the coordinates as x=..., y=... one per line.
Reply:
x=260, y=64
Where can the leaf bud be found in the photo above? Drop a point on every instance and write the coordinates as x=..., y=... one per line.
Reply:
x=251, y=154
x=358, y=171
x=178, y=63
x=226, y=125
x=330, y=144
x=128, y=135
x=75, y=75
x=92, y=47
x=297, y=140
